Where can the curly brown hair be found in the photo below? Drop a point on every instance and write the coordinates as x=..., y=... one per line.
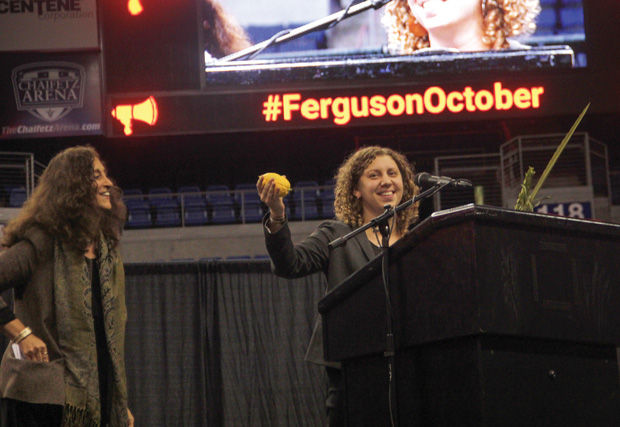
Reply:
x=223, y=35
x=64, y=203
x=348, y=208
x=501, y=19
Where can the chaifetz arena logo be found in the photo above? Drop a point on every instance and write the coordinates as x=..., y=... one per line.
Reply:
x=49, y=90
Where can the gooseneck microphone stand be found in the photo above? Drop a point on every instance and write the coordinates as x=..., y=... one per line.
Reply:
x=382, y=223
x=320, y=24
x=389, y=212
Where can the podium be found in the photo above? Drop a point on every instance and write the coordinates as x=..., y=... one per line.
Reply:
x=501, y=318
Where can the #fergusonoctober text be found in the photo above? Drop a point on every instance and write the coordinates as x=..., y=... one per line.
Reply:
x=434, y=100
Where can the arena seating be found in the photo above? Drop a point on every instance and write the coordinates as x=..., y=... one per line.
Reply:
x=194, y=205
x=248, y=203
x=304, y=200
x=221, y=203
x=190, y=205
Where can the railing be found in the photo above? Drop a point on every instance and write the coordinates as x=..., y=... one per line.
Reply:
x=19, y=173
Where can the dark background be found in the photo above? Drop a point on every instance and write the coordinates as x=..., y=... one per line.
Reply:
x=303, y=154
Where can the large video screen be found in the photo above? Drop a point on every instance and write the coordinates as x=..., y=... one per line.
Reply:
x=342, y=31
x=333, y=63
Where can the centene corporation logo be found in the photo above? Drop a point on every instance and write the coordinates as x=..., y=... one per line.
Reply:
x=49, y=90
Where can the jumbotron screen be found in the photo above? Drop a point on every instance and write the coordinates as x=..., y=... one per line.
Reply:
x=299, y=64
x=156, y=67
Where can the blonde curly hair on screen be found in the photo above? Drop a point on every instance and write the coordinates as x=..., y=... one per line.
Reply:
x=501, y=19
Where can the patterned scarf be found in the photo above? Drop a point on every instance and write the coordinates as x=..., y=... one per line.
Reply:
x=76, y=333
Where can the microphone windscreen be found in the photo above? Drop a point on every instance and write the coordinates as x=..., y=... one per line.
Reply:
x=421, y=179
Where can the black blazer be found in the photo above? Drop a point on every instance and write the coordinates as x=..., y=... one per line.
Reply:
x=312, y=255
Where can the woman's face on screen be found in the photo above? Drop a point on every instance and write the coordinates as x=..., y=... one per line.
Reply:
x=446, y=14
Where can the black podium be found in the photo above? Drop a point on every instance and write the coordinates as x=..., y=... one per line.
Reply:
x=501, y=318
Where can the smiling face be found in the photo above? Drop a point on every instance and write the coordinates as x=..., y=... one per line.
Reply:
x=450, y=23
x=102, y=185
x=380, y=184
x=441, y=13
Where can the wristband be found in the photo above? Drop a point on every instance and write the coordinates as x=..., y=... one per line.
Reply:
x=280, y=220
x=23, y=334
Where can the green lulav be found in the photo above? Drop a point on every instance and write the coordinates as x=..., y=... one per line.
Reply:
x=525, y=200
x=524, y=203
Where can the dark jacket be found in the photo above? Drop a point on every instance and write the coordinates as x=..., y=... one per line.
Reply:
x=313, y=255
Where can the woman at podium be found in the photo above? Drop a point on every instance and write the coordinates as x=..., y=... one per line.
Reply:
x=368, y=180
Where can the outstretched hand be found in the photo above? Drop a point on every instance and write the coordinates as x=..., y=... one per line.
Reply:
x=268, y=193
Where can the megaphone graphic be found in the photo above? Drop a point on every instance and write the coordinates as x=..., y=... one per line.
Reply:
x=135, y=7
x=146, y=112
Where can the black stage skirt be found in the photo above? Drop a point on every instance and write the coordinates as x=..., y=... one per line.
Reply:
x=15, y=413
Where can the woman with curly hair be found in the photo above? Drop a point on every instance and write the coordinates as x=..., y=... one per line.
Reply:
x=462, y=25
x=65, y=362
x=369, y=179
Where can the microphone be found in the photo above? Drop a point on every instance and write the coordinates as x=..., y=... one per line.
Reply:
x=425, y=179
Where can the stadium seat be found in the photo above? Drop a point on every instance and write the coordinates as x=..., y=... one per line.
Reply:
x=571, y=19
x=218, y=191
x=160, y=193
x=17, y=197
x=304, y=200
x=222, y=212
x=133, y=192
x=190, y=193
x=221, y=204
x=196, y=213
x=133, y=196
x=138, y=214
x=248, y=201
x=546, y=22
x=194, y=205
x=167, y=213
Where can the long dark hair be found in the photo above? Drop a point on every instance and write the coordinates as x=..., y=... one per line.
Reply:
x=64, y=203
x=223, y=35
